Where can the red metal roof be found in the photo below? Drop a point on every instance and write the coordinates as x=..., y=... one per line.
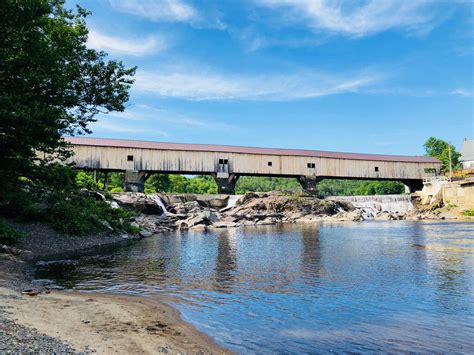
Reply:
x=123, y=143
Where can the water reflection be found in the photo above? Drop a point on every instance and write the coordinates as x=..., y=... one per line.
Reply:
x=364, y=287
x=311, y=255
x=226, y=260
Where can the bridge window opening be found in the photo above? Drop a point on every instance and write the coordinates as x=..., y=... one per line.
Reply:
x=129, y=157
x=311, y=165
x=376, y=169
x=270, y=163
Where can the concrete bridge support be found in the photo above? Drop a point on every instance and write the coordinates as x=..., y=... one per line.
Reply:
x=135, y=180
x=226, y=185
x=413, y=185
x=308, y=183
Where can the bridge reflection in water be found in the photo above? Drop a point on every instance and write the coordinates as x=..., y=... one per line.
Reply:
x=368, y=287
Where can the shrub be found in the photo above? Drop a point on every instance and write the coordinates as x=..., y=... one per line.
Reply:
x=8, y=235
x=80, y=214
x=85, y=181
x=469, y=213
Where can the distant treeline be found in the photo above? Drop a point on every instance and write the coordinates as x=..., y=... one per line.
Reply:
x=206, y=185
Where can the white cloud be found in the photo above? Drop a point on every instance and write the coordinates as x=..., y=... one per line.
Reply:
x=103, y=124
x=195, y=85
x=462, y=92
x=158, y=10
x=356, y=18
x=147, y=113
x=135, y=47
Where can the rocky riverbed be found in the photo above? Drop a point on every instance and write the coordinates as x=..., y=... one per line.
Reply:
x=166, y=213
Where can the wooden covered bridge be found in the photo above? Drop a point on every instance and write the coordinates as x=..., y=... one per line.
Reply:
x=139, y=159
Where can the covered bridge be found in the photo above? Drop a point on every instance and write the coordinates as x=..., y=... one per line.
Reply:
x=139, y=159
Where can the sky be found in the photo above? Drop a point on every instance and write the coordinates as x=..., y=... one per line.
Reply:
x=368, y=76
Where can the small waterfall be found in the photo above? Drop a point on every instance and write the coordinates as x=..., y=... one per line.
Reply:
x=160, y=203
x=231, y=202
x=112, y=204
x=372, y=205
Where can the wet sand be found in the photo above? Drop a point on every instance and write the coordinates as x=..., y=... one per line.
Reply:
x=106, y=323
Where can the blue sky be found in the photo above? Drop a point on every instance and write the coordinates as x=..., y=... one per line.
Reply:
x=375, y=76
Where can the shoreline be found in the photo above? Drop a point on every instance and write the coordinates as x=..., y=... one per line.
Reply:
x=56, y=321
x=65, y=321
x=105, y=323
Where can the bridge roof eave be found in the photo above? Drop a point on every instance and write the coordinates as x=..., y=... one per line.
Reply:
x=122, y=143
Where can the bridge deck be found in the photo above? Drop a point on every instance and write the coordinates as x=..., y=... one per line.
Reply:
x=229, y=162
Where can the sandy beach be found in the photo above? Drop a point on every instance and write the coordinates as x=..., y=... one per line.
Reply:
x=106, y=323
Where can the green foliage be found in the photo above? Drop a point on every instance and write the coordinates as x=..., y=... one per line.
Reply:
x=51, y=85
x=81, y=214
x=439, y=149
x=264, y=184
x=116, y=189
x=380, y=188
x=116, y=180
x=85, y=180
x=8, y=235
x=333, y=187
x=469, y=213
x=327, y=187
x=181, y=184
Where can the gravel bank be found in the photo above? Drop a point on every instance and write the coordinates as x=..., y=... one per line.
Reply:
x=69, y=322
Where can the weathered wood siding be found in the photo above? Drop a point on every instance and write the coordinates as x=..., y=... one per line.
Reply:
x=192, y=162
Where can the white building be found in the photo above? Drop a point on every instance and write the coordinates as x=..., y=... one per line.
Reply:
x=467, y=154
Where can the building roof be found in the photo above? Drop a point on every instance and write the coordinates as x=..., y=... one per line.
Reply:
x=122, y=143
x=467, y=150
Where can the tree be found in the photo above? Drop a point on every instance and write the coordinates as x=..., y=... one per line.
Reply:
x=439, y=149
x=51, y=85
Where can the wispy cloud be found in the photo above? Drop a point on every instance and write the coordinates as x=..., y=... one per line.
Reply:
x=400, y=91
x=158, y=10
x=128, y=46
x=105, y=125
x=168, y=11
x=154, y=115
x=462, y=92
x=356, y=18
x=193, y=85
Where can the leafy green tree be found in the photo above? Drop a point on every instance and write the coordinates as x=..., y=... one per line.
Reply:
x=51, y=85
x=264, y=184
x=439, y=149
x=380, y=188
x=85, y=181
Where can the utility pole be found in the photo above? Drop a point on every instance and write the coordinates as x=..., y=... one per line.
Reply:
x=450, y=163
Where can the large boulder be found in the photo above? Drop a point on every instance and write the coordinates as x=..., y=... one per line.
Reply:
x=138, y=201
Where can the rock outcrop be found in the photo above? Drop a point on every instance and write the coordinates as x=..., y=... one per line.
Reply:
x=166, y=213
x=182, y=212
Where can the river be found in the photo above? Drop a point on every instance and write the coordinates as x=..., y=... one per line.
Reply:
x=362, y=287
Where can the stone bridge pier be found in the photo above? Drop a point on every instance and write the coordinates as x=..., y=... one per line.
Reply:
x=308, y=183
x=135, y=180
x=226, y=183
x=413, y=185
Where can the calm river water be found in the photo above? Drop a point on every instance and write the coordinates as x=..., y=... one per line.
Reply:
x=363, y=287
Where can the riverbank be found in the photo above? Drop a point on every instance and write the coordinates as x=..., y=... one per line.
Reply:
x=101, y=322
x=79, y=322
x=54, y=321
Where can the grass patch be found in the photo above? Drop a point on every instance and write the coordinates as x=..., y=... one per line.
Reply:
x=469, y=213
